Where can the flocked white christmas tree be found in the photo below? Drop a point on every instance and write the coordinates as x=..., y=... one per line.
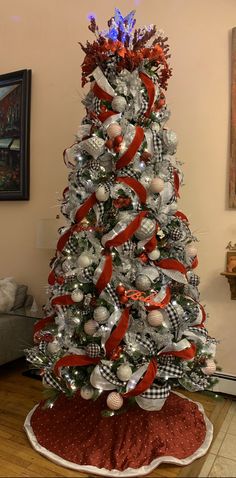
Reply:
x=123, y=314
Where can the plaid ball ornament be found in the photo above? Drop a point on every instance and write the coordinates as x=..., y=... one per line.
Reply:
x=93, y=350
x=193, y=279
x=176, y=234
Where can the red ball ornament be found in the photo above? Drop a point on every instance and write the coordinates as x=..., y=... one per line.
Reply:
x=120, y=289
x=116, y=353
x=123, y=299
x=103, y=108
x=93, y=302
x=118, y=140
x=109, y=144
x=143, y=257
x=116, y=149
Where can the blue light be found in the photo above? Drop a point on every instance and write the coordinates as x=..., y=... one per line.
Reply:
x=91, y=15
x=124, y=24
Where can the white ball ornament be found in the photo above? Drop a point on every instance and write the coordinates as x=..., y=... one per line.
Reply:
x=90, y=327
x=114, y=401
x=84, y=260
x=53, y=347
x=124, y=372
x=146, y=229
x=154, y=255
x=102, y=194
x=191, y=250
x=210, y=367
x=86, y=392
x=101, y=314
x=119, y=104
x=77, y=295
x=143, y=282
x=155, y=318
x=113, y=130
x=157, y=185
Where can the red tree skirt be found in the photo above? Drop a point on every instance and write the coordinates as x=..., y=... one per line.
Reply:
x=75, y=435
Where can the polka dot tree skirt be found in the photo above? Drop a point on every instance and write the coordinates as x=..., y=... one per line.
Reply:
x=74, y=434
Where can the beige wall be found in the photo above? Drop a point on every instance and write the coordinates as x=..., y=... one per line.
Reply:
x=43, y=35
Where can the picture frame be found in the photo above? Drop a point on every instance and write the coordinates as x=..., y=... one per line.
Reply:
x=15, y=91
x=231, y=261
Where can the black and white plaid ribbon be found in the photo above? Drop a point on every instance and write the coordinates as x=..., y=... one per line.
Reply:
x=173, y=318
x=72, y=245
x=147, y=343
x=50, y=380
x=43, y=347
x=128, y=172
x=128, y=247
x=157, y=391
x=109, y=289
x=110, y=376
x=88, y=273
x=157, y=145
x=143, y=107
x=100, y=212
x=96, y=105
x=170, y=370
x=199, y=331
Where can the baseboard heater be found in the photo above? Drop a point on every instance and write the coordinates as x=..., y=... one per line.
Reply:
x=226, y=383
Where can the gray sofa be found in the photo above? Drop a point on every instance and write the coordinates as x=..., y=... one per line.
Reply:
x=16, y=332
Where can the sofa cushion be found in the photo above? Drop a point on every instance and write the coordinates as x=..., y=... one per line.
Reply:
x=8, y=288
x=20, y=296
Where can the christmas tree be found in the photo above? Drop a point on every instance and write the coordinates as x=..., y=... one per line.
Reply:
x=123, y=314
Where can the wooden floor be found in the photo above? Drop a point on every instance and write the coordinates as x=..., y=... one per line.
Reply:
x=18, y=395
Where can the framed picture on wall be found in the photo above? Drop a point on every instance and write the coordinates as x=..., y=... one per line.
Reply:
x=15, y=90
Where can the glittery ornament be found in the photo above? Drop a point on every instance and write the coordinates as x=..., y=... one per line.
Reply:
x=102, y=193
x=123, y=299
x=114, y=401
x=124, y=372
x=87, y=392
x=94, y=146
x=119, y=104
x=53, y=347
x=191, y=250
x=77, y=295
x=101, y=314
x=84, y=260
x=193, y=279
x=170, y=140
x=210, y=367
x=113, y=130
x=176, y=234
x=146, y=229
x=90, y=327
x=155, y=318
x=93, y=350
x=157, y=185
x=154, y=255
x=143, y=282
x=67, y=265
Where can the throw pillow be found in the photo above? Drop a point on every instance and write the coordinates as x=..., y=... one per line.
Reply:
x=8, y=288
x=20, y=297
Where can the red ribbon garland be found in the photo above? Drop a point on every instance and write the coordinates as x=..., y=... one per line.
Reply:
x=52, y=278
x=136, y=186
x=101, y=94
x=146, y=381
x=41, y=323
x=181, y=215
x=74, y=361
x=106, y=274
x=128, y=232
x=149, y=85
x=118, y=333
x=105, y=115
x=171, y=264
x=125, y=159
x=152, y=243
x=62, y=300
x=186, y=354
x=194, y=263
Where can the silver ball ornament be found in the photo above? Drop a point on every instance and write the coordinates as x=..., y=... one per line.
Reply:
x=190, y=250
x=84, y=260
x=143, y=282
x=101, y=314
x=87, y=392
x=113, y=130
x=157, y=185
x=77, y=295
x=210, y=367
x=146, y=229
x=154, y=255
x=53, y=347
x=124, y=372
x=119, y=104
